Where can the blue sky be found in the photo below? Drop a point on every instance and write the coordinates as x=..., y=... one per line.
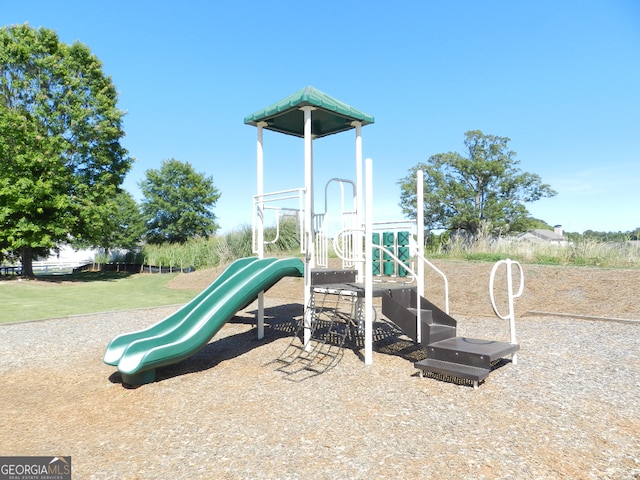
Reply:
x=561, y=79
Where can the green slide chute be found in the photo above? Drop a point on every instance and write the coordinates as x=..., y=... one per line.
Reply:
x=180, y=335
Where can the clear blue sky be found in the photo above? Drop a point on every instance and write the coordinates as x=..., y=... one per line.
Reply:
x=560, y=78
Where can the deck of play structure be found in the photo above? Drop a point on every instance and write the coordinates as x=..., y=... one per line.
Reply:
x=369, y=252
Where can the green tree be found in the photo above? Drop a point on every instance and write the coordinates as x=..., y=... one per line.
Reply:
x=60, y=147
x=124, y=225
x=178, y=202
x=483, y=189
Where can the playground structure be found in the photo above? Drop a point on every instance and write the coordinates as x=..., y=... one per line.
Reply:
x=367, y=250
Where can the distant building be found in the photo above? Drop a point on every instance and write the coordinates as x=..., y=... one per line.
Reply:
x=555, y=236
x=66, y=256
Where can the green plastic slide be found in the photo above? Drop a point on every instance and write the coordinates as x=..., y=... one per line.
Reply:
x=118, y=345
x=180, y=335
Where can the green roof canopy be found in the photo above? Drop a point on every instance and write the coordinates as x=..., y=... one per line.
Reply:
x=330, y=115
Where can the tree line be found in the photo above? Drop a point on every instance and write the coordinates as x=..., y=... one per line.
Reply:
x=63, y=166
x=631, y=235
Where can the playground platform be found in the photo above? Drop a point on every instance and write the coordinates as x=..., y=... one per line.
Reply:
x=344, y=282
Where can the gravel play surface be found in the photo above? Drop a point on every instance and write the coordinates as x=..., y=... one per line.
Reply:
x=568, y=409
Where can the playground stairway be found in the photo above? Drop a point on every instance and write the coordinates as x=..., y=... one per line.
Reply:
x=448, y=356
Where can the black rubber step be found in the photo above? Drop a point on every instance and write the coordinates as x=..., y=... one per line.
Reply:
x=436, y=333
x=398, y=305
x=475, y=374
x=473, y=352
x=324, y=277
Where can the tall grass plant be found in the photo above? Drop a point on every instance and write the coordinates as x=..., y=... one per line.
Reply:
x=220, y=250
x=583, y=252
x=223, y=249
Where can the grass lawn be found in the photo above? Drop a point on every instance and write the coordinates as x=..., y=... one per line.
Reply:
x=60, y=296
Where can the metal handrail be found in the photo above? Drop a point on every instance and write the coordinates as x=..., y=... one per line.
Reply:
x=414, y=275
x=262, y=199
x=511, y=315
x=444, y=278
x=280, y=192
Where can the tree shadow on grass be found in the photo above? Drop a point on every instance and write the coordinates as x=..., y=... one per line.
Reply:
x=279, y=322
x=83, y=277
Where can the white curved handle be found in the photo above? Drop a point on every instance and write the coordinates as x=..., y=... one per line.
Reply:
x=512, y=295
x=336, y=248
x=511, y=316
x=521, y=289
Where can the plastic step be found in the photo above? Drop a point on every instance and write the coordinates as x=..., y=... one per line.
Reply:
x=470, y=351
x=324, y=277
x=467, y=372
x=432, y=332
x=438, y=333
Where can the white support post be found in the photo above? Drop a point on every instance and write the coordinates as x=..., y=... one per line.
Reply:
x=358, y=202
x=260, y=226
x=420, y=247
x=308, y=219
x=368, y=284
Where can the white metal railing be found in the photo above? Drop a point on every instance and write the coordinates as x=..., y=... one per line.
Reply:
x=444, y=279
x=280, y=214
x=43, y=267
x=341, y=182
x=510, y=296
x=349, y=243
x=321, y=247
x=414, y=276
x=393, y=225
x=338, y=251
x=264, y=202
x=322, y=224
x=321, y=229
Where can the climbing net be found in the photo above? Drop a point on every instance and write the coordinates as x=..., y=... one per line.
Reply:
x=332, y=318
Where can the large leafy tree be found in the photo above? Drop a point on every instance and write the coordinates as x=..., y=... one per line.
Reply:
x=60, y=153
x=124, y=226
x=178, y=203
x=483, y=188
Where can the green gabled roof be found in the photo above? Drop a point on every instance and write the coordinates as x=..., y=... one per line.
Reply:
x=330, y=116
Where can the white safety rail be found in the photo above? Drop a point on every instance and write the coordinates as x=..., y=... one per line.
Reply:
x=53, y=268
x=321, y=242
x=350, y=243
x=294, y=200
x=444, y=279
x=395, y=225
x=510, y=296
x=347, y=242
x=411, y=270
x=412, y=275
x=323, y=223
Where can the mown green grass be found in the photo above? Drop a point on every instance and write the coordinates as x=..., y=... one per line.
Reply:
x=64, y=295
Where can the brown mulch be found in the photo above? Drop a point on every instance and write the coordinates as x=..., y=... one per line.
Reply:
x=568, y=409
